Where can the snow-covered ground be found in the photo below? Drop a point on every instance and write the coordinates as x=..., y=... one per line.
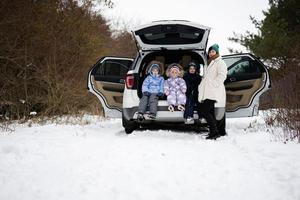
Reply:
x=95, y=159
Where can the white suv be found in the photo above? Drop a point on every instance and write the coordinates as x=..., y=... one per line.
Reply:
x=117, y=81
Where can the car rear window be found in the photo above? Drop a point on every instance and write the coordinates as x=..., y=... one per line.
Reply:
x=170, y=34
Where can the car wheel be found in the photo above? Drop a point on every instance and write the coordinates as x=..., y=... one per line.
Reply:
x=129, y=126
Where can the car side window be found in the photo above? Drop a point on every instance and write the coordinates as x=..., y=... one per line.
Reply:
x=99, y=69
x=241, y=66
x=113, y=68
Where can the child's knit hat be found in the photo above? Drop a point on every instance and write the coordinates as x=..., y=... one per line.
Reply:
x=174, y=66
x=154, y=65
x=193, y=64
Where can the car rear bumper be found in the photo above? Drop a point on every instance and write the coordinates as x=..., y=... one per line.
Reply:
x=163, y=115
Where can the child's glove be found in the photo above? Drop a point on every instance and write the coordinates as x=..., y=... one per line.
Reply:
x=147, y=94
x=160, y=94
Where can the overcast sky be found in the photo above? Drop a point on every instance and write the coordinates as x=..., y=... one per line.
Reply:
x=223, y=16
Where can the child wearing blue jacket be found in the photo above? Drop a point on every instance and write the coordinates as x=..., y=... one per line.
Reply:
x=152, y=88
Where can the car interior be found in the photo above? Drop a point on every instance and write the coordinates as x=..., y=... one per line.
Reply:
x=245, y=77
x=166, y=58
x=106, y=80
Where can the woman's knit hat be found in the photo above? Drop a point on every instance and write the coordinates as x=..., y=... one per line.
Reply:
x=214, y=47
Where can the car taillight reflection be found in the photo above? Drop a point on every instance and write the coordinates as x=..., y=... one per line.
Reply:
x=129, y=81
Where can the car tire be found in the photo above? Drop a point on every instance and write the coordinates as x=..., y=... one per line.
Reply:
x=128, y=125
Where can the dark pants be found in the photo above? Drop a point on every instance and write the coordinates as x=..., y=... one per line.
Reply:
x=206, y=109
x=148, y=101
x=190, y=106
x=221, y=124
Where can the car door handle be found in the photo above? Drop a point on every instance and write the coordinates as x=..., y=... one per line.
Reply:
x=232, y=79
x=122, y=81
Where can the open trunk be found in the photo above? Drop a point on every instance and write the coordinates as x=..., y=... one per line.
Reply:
x=166, y=58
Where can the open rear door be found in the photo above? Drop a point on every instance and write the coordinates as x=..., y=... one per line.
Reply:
x=106, y=81
x=171, y=34
x=247, y=79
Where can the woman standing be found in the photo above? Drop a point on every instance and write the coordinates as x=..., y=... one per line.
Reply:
x=212, y=89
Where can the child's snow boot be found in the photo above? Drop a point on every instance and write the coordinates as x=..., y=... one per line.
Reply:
x=171, y=108
x=189, y=120
x=181, y=107
x=152, y=116
x=140, y=117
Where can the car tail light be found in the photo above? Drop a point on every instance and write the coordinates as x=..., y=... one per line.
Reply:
x=129, y=81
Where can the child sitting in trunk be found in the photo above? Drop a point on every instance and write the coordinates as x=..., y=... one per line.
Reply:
x=152, y=88
x=175, y=88
x=192, y=79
